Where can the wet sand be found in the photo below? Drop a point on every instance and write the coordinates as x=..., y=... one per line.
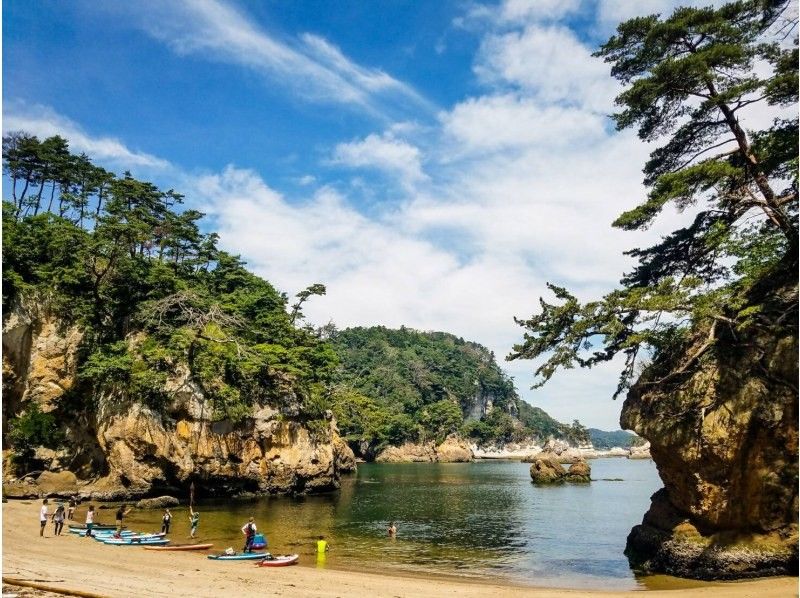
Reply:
x=85, y=566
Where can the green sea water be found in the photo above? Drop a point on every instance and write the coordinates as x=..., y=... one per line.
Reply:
x=482, y=520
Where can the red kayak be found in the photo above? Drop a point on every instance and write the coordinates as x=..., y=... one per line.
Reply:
x=281, y=560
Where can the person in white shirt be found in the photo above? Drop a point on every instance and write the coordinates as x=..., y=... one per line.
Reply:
x=43, y=517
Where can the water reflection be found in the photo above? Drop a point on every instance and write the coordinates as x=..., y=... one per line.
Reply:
x=477, y=520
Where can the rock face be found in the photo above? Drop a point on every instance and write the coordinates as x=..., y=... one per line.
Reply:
x=126, y=450
x=452, y=450
x=161, y=502
x=724, y=436
x=547, y=469
x=640, y=452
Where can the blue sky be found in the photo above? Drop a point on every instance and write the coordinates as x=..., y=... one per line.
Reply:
x=433, y=163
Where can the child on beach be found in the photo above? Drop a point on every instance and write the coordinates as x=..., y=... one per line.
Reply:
x=43, y=517
x=58, y=519
x=322, y=545
x=194, y=520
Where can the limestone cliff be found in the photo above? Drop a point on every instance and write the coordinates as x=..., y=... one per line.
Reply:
x=723, y=433
x=123, y=449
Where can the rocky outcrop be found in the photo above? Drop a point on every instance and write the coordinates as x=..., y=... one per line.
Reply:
x=723, y=433
x=39, y=357
x=125, y=449
x=452, y=450
x=640, y=452
x=547, y=469
x=160, y=502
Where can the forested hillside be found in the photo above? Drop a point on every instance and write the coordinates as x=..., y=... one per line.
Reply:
x=149, y=292
x=405, y=385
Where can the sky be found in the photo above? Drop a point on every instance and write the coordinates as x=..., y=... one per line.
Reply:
x=434, y=164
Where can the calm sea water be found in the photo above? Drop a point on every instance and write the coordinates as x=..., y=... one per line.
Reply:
x=480, y=520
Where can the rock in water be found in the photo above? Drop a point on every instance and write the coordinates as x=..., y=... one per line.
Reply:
x=724, y=436
x=162, y=502
x=547, y=470
x=579, y=472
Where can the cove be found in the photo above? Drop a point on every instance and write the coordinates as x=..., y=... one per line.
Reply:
x=482, y=520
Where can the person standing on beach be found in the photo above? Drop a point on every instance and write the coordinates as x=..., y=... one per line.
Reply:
x=71, y=509
x=249, y=530
x=42, y=518
x=89, y=521
x=58, y=519
x=121, y=512
x=166, y=520
x=194, y=520
x=392, y=529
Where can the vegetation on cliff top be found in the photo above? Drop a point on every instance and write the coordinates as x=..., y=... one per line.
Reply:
x=689, y=79
x=405, y=385
x=151, y=293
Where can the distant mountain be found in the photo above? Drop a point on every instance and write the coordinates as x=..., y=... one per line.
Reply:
x=602, y=439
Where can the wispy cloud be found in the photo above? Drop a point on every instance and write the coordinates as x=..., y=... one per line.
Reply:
x=43, y=121
x=385, y=153
x=309, y=66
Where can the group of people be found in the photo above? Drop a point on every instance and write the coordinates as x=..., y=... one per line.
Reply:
x=58, y=517
x=249, y=529
x=194, y=521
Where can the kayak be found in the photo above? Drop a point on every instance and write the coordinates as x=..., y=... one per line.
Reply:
x=259, y=542
x=181, y=547
x=130, y=537
x=102, y=532
x=242, y=556
x=280, y=560
x=96, y=526
x=135, y=541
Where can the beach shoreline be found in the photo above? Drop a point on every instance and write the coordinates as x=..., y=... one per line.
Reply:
x=69, y=563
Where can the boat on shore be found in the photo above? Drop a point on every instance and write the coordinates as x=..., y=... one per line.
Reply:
x=181, y=547
x=279, y=560
x=242, y=556
x=135, y=541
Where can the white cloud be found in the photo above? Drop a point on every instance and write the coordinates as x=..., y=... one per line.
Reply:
x=44, y=122
x=385, y=153
x=493, y=122
x=311, y=67
x=549, y=63
x=523, y=11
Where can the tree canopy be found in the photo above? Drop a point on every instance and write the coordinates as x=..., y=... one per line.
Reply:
x=689, y=78
x=152, y=293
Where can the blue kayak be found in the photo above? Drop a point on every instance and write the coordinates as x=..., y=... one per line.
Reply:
x=136, y=541
x=242, y=556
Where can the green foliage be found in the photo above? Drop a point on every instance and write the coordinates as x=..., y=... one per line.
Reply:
x=687, y=78
x=153, y=295
x=606, y=440
x=32, y=429
x=411, y=385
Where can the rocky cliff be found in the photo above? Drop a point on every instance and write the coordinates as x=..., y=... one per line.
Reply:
x=723, y=433
x=121, y=449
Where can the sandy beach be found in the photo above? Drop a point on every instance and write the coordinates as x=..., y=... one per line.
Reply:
x=69, y=563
